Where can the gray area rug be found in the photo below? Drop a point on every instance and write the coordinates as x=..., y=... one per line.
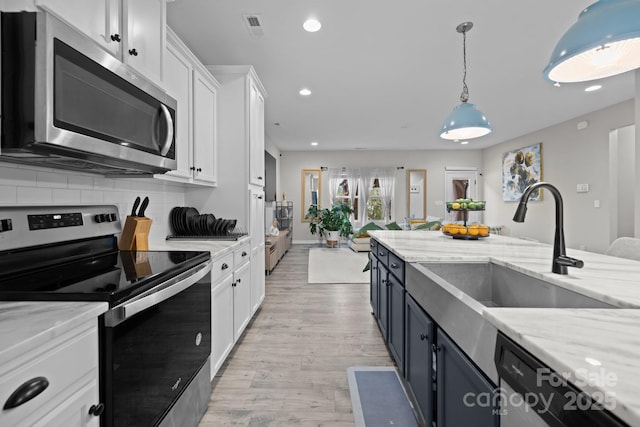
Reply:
x=337, y=265
x=378, y=398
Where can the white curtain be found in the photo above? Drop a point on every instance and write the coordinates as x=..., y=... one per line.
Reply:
x=387, y=179
x=352, y=179
x=334, y=180
x=366, y=181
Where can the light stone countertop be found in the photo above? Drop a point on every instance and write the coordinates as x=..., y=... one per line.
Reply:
x=569, y=341
x=217, y=248
x=27, y=325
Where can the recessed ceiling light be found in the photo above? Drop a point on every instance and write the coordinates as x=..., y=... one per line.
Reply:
x=305, y=92
x=312, y=25
x=314, y=143
x=593, y=88
x=464, y=142
x=556, y=84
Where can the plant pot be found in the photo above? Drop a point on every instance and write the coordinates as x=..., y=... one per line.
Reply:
x=332, y=238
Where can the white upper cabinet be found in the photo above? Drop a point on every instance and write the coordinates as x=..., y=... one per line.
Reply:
x=131, y=30
x=196, y=91
x=242, y=106
x=143, y=24
x=256, y=142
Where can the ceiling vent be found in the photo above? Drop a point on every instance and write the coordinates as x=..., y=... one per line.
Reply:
x=254, y=25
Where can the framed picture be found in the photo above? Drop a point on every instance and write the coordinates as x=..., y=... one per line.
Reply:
x=520, y=169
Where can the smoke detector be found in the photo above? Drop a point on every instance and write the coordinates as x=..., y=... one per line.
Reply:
x=254, y=24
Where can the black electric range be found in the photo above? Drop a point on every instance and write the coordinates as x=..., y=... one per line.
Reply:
x=155, y=338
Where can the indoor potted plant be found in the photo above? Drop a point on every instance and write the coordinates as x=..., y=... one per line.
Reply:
x=330, y=223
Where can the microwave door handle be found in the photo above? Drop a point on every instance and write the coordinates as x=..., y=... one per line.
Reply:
x=169, y=121
x=123, y=312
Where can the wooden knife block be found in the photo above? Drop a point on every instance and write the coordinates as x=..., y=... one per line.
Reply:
x=135, y=235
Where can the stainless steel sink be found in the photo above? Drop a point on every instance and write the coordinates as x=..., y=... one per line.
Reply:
x=456, y=294
x=493, y=285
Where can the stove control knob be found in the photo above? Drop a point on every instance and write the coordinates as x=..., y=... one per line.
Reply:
x=113, y=217
x=5, y=225
x=100, y=218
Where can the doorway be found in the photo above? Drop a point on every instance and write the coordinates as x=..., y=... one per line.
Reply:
x=456, y=182
x=622, y=182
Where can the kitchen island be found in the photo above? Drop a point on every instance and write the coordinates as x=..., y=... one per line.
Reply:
x=597, y=348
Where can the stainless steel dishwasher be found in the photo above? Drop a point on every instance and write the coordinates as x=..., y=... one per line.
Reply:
x=533, y=395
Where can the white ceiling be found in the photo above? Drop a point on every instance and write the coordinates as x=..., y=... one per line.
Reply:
x=384, y=74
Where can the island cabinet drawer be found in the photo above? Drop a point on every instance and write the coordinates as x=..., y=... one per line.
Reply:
x=241, y=255
x=382, y=254
x=52, y=372
x=221, y=266
x=373, y=245
x=396, y=267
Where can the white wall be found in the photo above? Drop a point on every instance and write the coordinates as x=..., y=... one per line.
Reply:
x=27, y=185
x=292, y=163
x=569, y=157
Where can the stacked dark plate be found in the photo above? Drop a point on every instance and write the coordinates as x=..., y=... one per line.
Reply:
x=189, y=222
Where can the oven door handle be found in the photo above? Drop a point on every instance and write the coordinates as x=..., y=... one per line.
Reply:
x=156, y=295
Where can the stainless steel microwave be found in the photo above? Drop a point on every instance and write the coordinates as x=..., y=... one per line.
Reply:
x=67, y=103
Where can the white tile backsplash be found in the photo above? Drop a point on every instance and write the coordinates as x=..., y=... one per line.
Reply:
x=27, y=185
x=34, y=196
x=50, y=179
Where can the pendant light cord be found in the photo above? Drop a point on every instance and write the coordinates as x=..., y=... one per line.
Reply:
x=464, y=96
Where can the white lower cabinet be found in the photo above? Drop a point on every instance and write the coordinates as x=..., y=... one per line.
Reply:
x=257, y=277
x=221, y=322
x=241, y=299
x=231, y=303
x=65, y=370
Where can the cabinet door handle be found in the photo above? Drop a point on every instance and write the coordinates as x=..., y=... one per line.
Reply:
x=260, y=178
x=435, y=347
x=224, y=266
x=115, y=38
x=394, y=265
x=423, y=337
x=133, y=52
x=27, y=391
x=199, y=170
x=381, y=253
x=374, y=268
x=260, y=197
x=233, y=284
x=383, y=280
x=239, y=280
x=192, y=168
x=244, y=253
x=96, y=410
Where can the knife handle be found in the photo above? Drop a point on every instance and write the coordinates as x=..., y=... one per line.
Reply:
x=135, y=206
x=143, y=207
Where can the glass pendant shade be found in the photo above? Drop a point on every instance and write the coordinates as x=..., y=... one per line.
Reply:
x=605, y=41
x=465, y=122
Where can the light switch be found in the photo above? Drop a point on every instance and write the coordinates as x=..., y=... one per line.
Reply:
x=596, y=203
x=582, y=188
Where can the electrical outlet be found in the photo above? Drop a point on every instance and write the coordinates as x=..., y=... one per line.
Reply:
x=414, y=189
x=582, y=188
x=596, y=203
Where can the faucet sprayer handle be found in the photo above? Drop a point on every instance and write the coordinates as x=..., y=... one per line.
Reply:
x=569, y=262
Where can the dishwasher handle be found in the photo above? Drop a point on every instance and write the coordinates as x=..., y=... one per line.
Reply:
x=155, y=296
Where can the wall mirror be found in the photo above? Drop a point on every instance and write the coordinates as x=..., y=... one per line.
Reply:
x=417, y=193
x=311, y=186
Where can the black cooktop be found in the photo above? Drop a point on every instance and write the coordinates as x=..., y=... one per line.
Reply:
x=91, y=270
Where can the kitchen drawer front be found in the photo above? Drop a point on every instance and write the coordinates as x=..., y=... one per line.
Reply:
x=75, y=410
x=221, y=267
x=71, y=361
x=241, y=255
x=383, y=255
x=396, y=267
x=373, y=245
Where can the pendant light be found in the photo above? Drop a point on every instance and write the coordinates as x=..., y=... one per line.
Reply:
x=465, y=121
x=605, y=41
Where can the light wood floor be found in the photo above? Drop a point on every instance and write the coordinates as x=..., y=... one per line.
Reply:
x=290, y=366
